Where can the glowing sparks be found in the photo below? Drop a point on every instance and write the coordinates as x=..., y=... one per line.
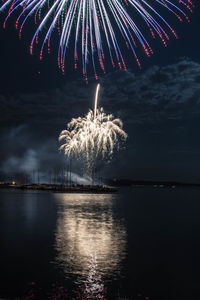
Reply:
x=94, y=135
x=92, y=28
x=96, y=100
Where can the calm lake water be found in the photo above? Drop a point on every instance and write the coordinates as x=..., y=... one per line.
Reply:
x=142, y=243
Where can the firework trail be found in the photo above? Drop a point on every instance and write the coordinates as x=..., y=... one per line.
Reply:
x=93, y=136
x=92, y=27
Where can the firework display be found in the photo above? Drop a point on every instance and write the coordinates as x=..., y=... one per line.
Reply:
x=94, y=135
x=95, y=28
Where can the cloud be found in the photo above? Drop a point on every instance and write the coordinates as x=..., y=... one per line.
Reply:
x=160, y=109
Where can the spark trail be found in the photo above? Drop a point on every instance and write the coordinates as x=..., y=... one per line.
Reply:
x=97, y=30
x=93, y=136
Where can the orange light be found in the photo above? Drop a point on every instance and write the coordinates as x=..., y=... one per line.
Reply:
x=13, y=182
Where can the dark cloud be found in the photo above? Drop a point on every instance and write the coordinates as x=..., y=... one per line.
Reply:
x=160, y=109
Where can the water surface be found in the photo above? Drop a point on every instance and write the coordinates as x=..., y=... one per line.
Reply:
x=143, y=243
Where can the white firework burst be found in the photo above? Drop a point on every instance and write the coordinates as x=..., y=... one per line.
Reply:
x=93, y=136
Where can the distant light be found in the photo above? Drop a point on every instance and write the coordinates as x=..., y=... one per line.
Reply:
x=13, y=182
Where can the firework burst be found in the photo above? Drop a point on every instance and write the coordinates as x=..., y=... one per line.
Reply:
x=93, y=27
x=93, y=136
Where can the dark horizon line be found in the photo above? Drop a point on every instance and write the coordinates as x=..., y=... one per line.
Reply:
x=130, y=182
x=116, y=182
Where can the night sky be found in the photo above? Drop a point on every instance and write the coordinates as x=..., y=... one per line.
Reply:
x=159, y=106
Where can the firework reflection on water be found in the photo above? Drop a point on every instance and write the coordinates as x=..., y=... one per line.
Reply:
x=90, y=241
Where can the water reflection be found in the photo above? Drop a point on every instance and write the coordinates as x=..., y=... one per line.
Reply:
x=94, y=285
x=90, y=239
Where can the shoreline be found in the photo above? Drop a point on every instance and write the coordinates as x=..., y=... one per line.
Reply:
x=95, y=189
